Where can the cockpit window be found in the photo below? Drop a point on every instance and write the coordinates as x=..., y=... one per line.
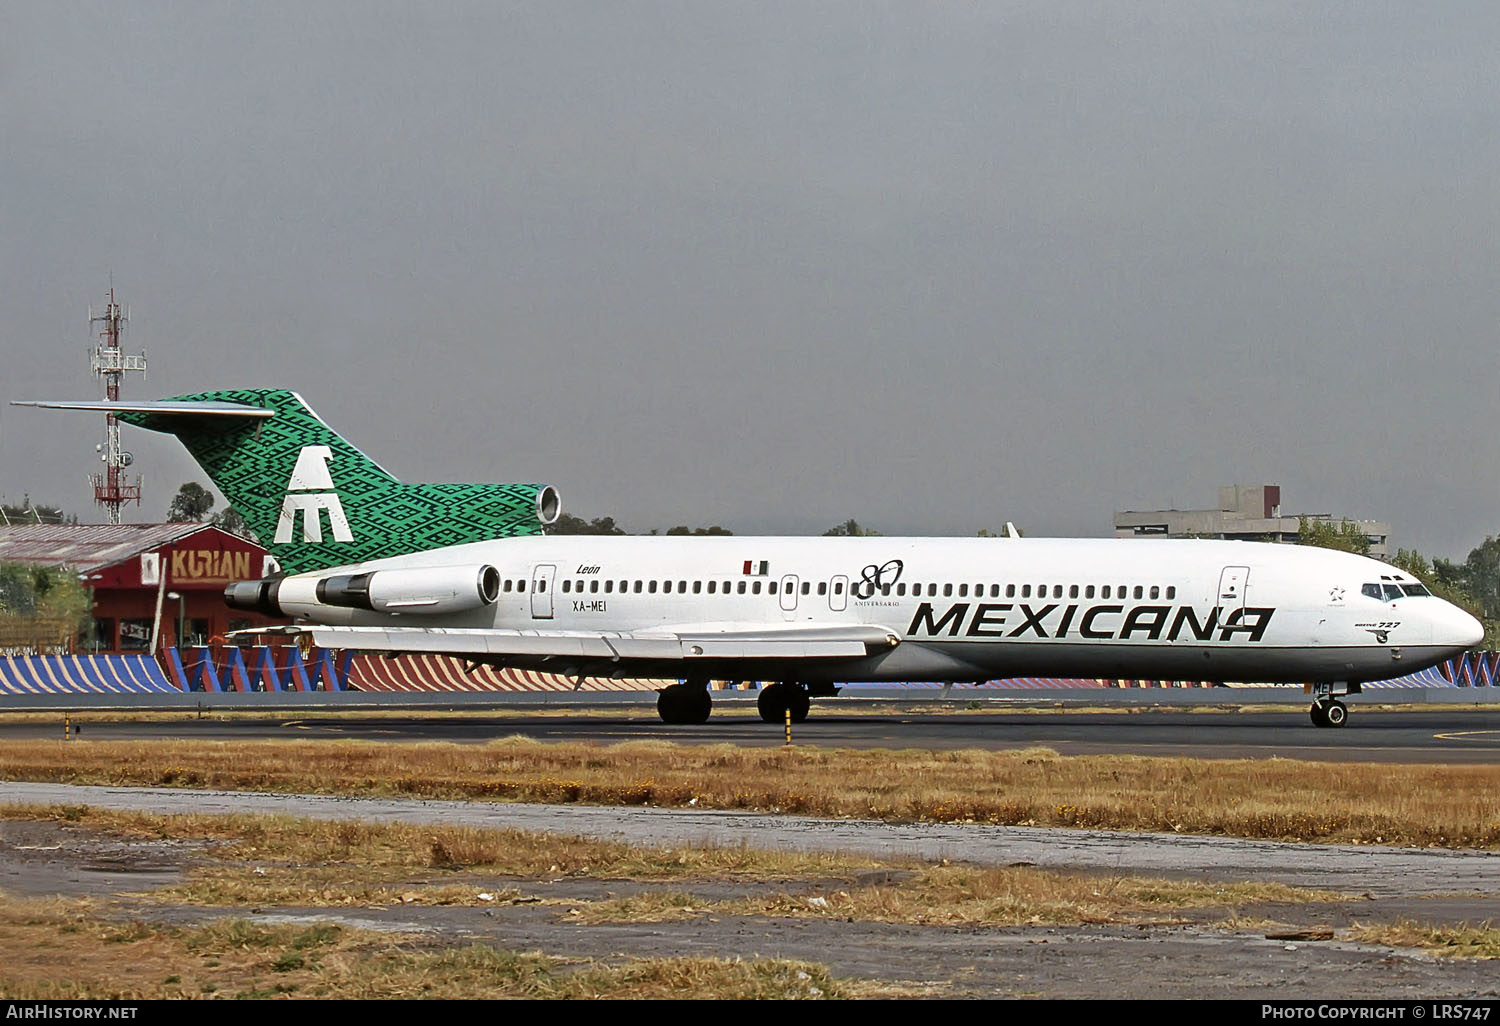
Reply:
x=1392, y=593
x=1415, y=589
x=1371, y=591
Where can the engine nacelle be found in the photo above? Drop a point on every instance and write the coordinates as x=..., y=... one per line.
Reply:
x=438, y=589
x=421, y=591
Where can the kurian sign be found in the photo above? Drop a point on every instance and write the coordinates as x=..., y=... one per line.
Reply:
x=210, y=566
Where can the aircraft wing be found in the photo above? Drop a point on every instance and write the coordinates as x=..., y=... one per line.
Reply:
x=686, y=644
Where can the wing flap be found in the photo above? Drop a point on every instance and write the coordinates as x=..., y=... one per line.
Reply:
x=851, y=642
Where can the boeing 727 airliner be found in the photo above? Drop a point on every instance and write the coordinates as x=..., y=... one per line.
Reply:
x=475, y=578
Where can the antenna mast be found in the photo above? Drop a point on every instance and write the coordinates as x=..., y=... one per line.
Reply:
x=110, y=364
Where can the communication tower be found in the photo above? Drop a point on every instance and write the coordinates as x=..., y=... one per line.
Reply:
x=110, y=364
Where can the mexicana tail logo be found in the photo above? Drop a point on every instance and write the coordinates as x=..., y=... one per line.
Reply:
x=310, y=490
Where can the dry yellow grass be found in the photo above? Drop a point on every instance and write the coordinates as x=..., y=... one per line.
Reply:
x=969, y=896
x=59, y=950
x=1482, y=941
x=1452, y=806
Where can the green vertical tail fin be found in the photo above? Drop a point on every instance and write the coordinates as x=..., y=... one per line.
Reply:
x=316, y=501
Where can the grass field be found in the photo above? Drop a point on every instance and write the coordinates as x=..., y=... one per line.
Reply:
x=1450, y=806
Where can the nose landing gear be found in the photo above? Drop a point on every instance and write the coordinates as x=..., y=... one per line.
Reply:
x=1327, y=710
x=1330, y=714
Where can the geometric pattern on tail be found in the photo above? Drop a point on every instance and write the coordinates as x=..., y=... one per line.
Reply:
x=266, y=469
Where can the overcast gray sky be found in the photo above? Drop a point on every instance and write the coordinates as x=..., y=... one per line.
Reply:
x=932, y=266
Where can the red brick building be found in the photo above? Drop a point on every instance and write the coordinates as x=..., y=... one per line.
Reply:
x=166, y=578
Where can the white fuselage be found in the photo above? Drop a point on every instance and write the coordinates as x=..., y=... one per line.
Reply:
x=962, y=609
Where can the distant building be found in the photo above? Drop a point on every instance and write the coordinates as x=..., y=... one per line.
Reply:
x=167, y=577
x=1246, y=513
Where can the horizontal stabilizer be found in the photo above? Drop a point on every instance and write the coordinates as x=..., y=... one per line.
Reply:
x=168, y=407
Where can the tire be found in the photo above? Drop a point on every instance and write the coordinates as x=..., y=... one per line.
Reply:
x=1335, y=714
x=800, y=703
x=771, y=703
x=684, y=703
x=1319, y=717
x=699, y=705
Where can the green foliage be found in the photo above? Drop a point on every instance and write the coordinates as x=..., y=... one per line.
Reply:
x=850, y=529
x=714, y=530
x=231, y=521
x=569, y=524
x=38, y=603
x=1345, y=536
x=191, y=504
x=17, y=594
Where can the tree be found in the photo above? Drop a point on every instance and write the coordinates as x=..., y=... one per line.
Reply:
x=1480, y=576
x=715, y=530
x=231, y=521
x=569, y=524
x=1346, y=537
x=191, y=504
x=41, y=606
x=850, y=529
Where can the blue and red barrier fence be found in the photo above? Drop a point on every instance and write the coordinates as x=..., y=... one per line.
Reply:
x=231, y=669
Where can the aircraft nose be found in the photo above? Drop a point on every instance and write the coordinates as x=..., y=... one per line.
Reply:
x=1457, y=629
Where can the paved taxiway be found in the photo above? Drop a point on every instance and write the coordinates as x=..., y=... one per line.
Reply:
x=1403, y=735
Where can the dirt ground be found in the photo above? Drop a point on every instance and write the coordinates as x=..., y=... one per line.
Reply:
x=1189, y=958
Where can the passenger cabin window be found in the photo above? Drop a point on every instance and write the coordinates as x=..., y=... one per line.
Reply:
x=901, y=590
x=1155, y=591
x=1073, y=591
x=822, y=587
x=807, y=587
x=1088, y=592
x=963, y=591
x=1010, y=591
x=947, y=591
x=1026, y=591
x=1138, y=591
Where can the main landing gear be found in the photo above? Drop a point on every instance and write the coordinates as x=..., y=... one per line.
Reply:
x=775, y=700
x=688, y=702
x=1327, y=710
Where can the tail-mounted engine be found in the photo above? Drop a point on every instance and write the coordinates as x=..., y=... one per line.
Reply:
x=418, y=591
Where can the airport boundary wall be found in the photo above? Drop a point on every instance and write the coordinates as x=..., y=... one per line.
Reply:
x=288, y=669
